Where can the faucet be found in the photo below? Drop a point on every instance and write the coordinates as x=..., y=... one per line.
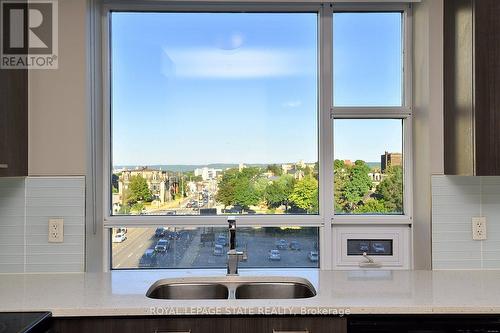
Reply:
x=233, y=256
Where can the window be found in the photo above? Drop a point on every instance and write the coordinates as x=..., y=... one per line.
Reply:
x=206, y=247
x=214, y=113
x=292, y=117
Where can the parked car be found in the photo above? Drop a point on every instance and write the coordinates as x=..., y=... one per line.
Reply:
x=122, y=230
x=295, y=245
x=162, y=245
x=148, y=259
x=274, y=255
x=364, y=247
x=119, y=237
x=313, y=256
x=218, y=250
x=221, y=240
x=378, y=247
x=281, y=244
x=160, y=232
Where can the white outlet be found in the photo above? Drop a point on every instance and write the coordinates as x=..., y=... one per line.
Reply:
x=479, y=228
x=56, y=230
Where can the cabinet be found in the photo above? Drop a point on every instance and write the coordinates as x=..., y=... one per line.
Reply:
x=472, y=87
x=199, y=324
x=13, y=122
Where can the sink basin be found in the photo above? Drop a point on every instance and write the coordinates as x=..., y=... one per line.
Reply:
x=274, y=290
x=233, y=287
x=188, y=291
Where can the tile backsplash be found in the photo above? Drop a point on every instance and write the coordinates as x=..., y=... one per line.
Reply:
x=26, y=204
x=455, y=200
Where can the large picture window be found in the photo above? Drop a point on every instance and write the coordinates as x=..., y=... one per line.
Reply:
x=291, y=117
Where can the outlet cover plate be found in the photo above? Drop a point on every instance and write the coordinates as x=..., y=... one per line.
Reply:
x=479, y=228
x=56, y=230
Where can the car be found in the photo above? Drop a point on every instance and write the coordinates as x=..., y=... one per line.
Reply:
x=274, y=255
x=281, y=244
x=295, y=245
x=218, y=250
x=313, y=256
x=364, y=247
x=119, y=237
x=160, y=232
x=122, y=230
x=221, y=240
x=148, y=259
x=162, y=245
x=189, y=205
x=378, y=247
x=170, y=212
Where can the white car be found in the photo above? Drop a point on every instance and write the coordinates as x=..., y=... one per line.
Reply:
x=119, y=237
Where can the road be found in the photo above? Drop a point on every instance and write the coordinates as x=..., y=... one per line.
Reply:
x=187, y=251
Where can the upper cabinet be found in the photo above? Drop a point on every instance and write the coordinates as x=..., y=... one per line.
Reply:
x=472, y=87
x=13, y=122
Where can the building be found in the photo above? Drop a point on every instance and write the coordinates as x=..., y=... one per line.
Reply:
x=161, y=185
x=206, y=173
x=390, y=159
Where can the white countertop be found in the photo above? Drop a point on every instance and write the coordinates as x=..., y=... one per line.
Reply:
x=339, y=292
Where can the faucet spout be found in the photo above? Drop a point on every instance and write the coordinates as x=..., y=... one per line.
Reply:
x=233, y=256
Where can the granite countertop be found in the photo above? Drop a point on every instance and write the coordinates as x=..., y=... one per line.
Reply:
x=339, y=292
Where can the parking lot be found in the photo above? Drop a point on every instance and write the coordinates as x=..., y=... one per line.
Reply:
x=186, y=249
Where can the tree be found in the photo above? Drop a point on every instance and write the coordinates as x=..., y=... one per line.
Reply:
x=357, y=185
x=138, y=190
x=391, y=189
x=371, y=206
x=226, y=187
x=245, y=193
x=275, y=169
x=305, y=195
x=278, y=192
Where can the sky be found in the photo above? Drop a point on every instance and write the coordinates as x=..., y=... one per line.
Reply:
x=201, y=88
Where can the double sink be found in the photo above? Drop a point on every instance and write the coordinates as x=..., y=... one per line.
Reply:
x=232, y=287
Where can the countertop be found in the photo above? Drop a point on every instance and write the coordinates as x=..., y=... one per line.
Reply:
x=339, y=292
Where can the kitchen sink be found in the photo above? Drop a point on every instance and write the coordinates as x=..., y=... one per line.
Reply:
x=188, y=291
x=274, y=290
x=234, y=287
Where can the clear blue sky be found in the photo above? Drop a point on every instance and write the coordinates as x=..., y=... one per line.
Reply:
x=242, y=88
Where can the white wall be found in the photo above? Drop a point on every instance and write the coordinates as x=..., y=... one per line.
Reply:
x=427, y=121
x=456, y=200
x=57, y=101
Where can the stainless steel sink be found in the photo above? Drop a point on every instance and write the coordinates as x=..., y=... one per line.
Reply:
x=232, y=287
x=274, y=290
x=188, y=291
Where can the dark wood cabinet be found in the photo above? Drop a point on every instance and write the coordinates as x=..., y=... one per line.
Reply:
x=208, y=324
x=472, y=87
x=13, y=122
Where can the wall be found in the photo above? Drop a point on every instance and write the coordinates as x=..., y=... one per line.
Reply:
x=58, y=101
x=456, y=199
x=427, y=120
x=26, y=204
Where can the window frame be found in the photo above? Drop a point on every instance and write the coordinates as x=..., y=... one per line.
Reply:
x=326, y=219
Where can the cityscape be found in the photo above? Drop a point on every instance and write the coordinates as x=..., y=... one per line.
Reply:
x=289, y=188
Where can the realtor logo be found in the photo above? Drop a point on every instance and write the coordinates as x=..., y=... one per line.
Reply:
x=28, y=34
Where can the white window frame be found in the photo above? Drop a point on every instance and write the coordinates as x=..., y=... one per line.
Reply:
x=326, y=112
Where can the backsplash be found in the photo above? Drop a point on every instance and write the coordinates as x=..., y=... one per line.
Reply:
x=455, y=200
x=25, y=208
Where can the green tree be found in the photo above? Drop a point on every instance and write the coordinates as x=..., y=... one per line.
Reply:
x=391, y=189
x=371, y=206
x=278, y=192
x=305, y=195
x=245, y=193
x=226, y=187
x=137, y=207
x=275, y=169
x=357, y=185
x=138, y=190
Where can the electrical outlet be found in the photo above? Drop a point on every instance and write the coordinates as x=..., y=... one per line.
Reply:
x=56, y=230
x=479, y=228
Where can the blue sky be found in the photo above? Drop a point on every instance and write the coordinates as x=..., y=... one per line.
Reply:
x=242, y=87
